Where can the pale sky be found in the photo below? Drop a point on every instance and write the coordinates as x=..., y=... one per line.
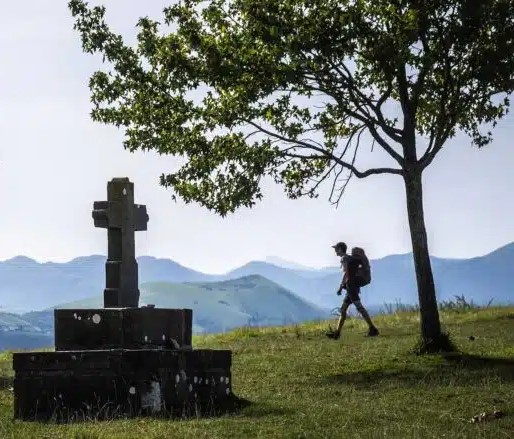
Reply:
x=55, y=161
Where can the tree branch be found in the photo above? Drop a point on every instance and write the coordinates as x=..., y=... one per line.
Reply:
x=394, y=133
x=323, y=86
x=324, y=154
x=365, y=119
x=358, y=174
x=341, y=191
x=444, y=121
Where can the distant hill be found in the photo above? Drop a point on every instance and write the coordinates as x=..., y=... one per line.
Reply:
x=152, y=269
x=26, y=285
x=217, y=306
x=479, y=279
x=18, y=332
x=286, y=264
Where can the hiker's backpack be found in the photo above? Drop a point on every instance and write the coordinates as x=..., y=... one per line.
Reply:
x=364, y=270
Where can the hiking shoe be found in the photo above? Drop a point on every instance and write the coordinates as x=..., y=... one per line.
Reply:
x=334, y=335
x=372, y=332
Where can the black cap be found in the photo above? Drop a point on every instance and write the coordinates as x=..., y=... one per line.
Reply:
x=340, y=245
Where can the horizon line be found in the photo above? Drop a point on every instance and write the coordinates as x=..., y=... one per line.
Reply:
x=285, y=260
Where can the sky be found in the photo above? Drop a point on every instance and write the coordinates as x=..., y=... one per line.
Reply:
x=55, y=162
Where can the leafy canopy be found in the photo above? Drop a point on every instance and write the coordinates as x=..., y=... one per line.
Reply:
x=247, y=88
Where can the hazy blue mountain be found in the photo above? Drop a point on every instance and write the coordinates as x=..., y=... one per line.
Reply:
x=280, y=262
x=294, y=280
x=152, y=269
x=479, y=279
x=26, y=285
x=263, y=296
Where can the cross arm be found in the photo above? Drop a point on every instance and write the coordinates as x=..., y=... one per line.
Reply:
x=140, y=217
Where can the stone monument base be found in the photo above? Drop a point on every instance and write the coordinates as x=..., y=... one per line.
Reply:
x=104, y=384
x=122, y=328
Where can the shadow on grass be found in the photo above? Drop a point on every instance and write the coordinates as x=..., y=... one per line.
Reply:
x=233, y=406
x=263, y=410
x=454, y=369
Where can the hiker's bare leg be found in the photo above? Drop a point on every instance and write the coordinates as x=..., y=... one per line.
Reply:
x=363, y=313
x=342, y=318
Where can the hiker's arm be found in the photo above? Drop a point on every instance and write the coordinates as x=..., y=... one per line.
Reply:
x=345, y=276
x=341, y=286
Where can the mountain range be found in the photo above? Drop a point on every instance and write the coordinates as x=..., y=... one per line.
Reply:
x=258, y=293
x=26, y=285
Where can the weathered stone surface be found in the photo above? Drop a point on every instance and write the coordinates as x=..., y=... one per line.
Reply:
x=72, y=385
x=121, y=218
x=128, y=328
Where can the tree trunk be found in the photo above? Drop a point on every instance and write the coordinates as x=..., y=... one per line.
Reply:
x=430, y=325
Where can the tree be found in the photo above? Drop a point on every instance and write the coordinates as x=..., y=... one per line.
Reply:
x=249, y=88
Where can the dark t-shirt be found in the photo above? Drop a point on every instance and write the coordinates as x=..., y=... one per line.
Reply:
x=352, y=265
x=352, y=286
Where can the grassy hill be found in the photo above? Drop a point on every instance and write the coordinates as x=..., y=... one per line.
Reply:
x=220, y=306
x=301, y=385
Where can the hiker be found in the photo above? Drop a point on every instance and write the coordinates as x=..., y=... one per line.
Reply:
x=355, y=276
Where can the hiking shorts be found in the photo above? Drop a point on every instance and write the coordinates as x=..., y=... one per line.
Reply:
x=352, y=293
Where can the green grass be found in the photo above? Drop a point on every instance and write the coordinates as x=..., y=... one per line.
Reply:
x=302, y=385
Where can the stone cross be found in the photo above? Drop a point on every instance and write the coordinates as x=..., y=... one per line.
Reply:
x=121, y=218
